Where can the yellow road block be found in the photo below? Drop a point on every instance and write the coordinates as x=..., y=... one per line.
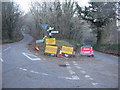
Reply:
x=50, y=41
x=51, y=49
x=67, y=50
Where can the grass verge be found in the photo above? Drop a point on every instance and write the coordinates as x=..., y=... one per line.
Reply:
x=59, y=43
x=7, y=41
x=109, y=48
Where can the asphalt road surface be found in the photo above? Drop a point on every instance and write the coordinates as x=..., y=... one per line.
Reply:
x=24, y=69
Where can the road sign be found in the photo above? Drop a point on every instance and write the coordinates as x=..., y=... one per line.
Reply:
x=50, y=28
x=54, y=31
x=67, y=50
x=51, y=49
x=50, y=41
x=86, y=50
x=39, y=41
x=44, y=26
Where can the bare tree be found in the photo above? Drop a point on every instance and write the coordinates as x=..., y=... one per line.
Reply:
x=10, y=21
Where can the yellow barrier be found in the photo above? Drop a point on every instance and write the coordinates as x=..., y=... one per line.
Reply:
x=50, y=41
x=51, y=49
x=67, y=50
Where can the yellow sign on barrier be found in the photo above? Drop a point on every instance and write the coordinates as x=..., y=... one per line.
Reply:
x=67, y=50
x=50, y=41
x=51, y=49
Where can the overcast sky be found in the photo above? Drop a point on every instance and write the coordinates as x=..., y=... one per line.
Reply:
x=24, y=4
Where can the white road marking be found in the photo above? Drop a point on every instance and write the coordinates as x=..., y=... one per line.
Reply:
x=23, y=69
x=66, y=77
x=6, y=49
x=91, y=78
x=31, y=55
x=36, y=72
x=75, y=78
x=94, y=83
x=44, y=74
x=83, y=72
x=68, y=67
x=71, y=72
x=1, y=59
x=75, y=64
x=32, y=59
x=32, y=71
x=69, y=78
x=87, y=76
x=67, y=64
x=78, y=67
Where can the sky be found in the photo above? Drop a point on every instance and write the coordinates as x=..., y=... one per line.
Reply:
x=24, y=4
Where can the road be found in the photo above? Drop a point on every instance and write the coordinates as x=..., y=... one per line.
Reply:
x=24, y=69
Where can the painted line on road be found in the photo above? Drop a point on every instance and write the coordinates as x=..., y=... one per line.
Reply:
x=67, y=64
x=91, y=78
x=23, y=69
x=87, y=76
x=1, y=60
x=74, y=62
x=31, y=55
x=74, y=76
x=78, y=67
x=70, y=78
x=28, y=56
x=94, y=84
x=71, y=72
x=68, y=67
x=83, y=72
x=32, y=71
x=1, y=57
x=44, y=74
x=6, y=49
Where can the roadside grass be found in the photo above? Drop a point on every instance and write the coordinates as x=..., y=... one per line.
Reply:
x=16, y=39
x=7, y=41
x=105, y=48
x=108, y=48
x=59, y=43
x=74, y=44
